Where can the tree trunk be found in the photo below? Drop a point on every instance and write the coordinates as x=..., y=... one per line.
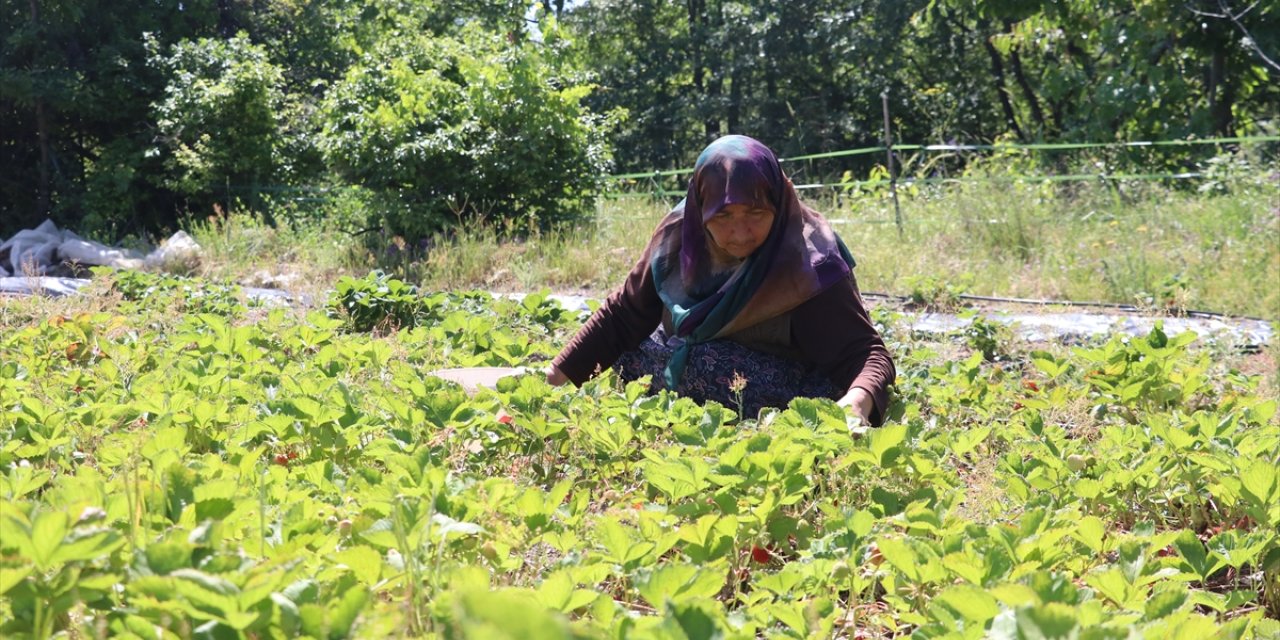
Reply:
x=695, y=43
x=1015, y=64
x=714, y=23
x=227, y=26
x=44, y=198
x=735, y=99
x=1221, y=94
x=1002, y=88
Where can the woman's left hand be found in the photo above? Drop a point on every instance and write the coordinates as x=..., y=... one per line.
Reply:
x=555, y=377
x=861, y=402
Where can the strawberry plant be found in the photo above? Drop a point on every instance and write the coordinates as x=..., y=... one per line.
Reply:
x=166, y=471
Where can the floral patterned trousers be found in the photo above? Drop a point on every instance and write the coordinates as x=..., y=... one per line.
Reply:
x=765, y=380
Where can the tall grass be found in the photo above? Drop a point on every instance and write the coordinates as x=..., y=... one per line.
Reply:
x=1135, y=243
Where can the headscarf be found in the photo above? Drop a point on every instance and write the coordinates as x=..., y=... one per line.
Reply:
x=799, y=259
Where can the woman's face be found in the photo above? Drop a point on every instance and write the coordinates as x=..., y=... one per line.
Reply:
x=740, y=229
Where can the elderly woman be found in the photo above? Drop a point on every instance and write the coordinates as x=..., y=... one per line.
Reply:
x=744, y=296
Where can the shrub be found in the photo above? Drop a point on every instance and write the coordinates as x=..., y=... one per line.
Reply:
x=218, y=124
x=376, y=302
x=451, y=130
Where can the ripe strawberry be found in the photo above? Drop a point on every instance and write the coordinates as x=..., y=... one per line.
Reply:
x=504, y=417
x=1017, y=406
x=1030, y=385
x=282, y=459
x=761, y=554
x=292, y=455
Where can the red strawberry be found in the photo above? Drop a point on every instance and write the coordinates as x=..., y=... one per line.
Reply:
x=1030, y=385
x=1017, y=406
x=292, y=455
x=761, y=555
x=504, y=417
x=282, y=459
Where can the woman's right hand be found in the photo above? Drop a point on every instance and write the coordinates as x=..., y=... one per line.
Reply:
x=556, y=377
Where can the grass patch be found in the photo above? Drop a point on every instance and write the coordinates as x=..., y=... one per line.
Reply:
x=1137, y=243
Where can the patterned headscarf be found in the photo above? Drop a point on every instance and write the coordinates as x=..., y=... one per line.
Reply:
x=799, y=259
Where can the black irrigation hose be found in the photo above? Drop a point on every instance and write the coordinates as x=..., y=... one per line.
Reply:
x=1074, y=303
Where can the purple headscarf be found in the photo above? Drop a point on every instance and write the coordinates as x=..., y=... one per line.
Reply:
x=799, y=259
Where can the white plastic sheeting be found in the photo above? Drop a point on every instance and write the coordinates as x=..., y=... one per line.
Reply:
x=1033, y=327
x=42, y=250
x=1066, y=327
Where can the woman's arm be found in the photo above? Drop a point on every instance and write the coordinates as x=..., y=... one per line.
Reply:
x=835, y=334
x=625, y=319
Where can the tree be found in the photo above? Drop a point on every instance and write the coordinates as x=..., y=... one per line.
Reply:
x=455, y=129
x=217, y=123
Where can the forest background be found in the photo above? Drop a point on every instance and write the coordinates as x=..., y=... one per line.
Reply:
x=127, y=118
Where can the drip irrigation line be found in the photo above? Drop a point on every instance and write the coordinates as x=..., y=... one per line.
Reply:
x=1072, y=177
x=1046, y=146
x=1119, y=306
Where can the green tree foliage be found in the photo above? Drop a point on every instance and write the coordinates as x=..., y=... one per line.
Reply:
x=448, y=107
x=75, y=94
x=1101, y=70
x=451, y=129
x=807, y=75
x=217, y=122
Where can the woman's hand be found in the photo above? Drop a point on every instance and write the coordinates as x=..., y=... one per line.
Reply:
x=556, y=377
x=861, y=402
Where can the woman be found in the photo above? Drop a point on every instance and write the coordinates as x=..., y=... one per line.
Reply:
x=752, y=295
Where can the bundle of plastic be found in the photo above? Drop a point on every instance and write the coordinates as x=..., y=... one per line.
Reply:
x=45, y=249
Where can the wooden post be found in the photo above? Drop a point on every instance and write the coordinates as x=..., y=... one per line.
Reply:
x=893, y=174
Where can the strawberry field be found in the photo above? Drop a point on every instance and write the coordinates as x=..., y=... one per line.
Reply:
x=178, y=463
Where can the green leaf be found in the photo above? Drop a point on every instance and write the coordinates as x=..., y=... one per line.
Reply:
x=180, y=483
x=364, y=562
x=792, y=615
x=1087, y=488
x=695, y=621
x=84, y=545
x=1259, y=481
x=443, y=526
x=10, y=576
x=342, y=615
x=1113, y=585
x=976, y=605
x=1223, y=602
x=968, y=440
x=311, y=617
x=507, y=614
x=214, y=509
x=208, y=593
x=1047, y=622
x=900, y=555
x=1090, y=531
x=47, y=533
x=1196, y=557
x=673, y=583
x=1163, y=603
x=883, y=442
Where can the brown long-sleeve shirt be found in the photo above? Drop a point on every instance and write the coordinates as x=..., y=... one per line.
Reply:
x=831, y=333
